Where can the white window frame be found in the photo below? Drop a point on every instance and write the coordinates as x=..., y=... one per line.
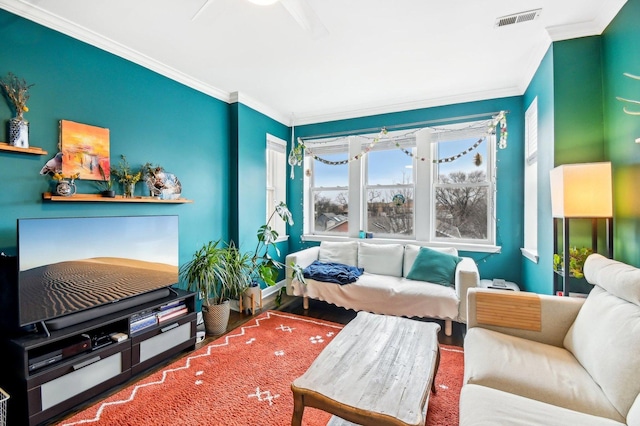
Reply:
x=424, y=194
x=276, y=182
x=409, y=145
x=489, y=184
x=530, y=249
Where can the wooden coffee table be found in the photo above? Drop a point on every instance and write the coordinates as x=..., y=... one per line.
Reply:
x=378, y=370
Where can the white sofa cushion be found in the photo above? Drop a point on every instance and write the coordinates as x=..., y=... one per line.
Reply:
x=483, y=406
x=382, y=259
x=617, y=278
x=605, y=339
x=386, y=295
x=411, y=251
x=339, y=252
x=533, y=370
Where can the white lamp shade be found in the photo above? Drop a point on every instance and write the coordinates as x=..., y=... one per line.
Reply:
x=582, y=190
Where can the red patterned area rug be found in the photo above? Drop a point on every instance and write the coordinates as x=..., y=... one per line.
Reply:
x=244, y=379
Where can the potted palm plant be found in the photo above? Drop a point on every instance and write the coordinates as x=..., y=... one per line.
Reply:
x=218, y=272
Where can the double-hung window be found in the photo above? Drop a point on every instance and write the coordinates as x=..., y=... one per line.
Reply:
x=276, y=180
x=429, y=185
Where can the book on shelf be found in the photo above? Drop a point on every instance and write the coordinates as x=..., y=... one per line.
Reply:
x=168, y=311
x=171, y=305
x=143, y=323
x=173, y=314
x=141, y=316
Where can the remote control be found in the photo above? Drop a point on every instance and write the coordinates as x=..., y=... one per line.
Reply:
x=499, y=283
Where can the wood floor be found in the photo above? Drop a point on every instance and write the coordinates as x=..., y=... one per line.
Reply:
x=329, y=312
x=293, y=305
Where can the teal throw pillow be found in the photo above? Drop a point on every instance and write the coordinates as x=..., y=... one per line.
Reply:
x=435, y=267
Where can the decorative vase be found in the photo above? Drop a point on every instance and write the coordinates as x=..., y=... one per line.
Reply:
x=19, y=132
x=65, y=188
x=129, y=189
x=216, y=318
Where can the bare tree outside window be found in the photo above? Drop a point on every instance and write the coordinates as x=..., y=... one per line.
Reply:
x=461, y=208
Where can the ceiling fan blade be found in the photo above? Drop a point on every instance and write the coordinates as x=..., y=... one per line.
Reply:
x=202, y=8
x=306, y=17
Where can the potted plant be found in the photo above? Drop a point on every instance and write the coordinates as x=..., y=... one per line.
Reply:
x=106, y=184
x=264, y=267
x=126, y=176
x=577, y=257
x=219, y=272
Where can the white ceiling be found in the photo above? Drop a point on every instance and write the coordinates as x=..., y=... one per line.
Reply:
x=377, y=56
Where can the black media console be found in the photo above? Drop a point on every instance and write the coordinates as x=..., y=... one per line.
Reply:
x=49, y=375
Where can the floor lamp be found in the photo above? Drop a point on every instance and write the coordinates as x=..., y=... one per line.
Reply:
x=581, y=191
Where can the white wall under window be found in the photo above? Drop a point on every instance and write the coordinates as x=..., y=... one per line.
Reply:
x=276, y=181
x=530, y=250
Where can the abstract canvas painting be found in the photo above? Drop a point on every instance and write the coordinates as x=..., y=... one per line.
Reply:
x=85, y=150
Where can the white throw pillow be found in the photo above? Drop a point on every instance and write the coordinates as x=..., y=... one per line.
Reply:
x=411, y=251
x=339, y=252
x=382, y=259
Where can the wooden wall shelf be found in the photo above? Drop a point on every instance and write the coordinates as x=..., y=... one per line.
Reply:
x=47, y=196
x=31, y=150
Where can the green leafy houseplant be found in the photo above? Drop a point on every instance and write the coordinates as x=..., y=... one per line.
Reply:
x=218, y=271
x=577, y=256
x=264, y=266
x=105, y=186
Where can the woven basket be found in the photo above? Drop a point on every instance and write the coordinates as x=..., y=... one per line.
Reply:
x=216, y=318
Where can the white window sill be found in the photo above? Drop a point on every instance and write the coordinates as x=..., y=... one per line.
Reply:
x=282, y=238
x=480, y=248
x=532, y=255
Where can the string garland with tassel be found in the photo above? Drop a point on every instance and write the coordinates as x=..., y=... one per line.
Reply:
x=498, y=121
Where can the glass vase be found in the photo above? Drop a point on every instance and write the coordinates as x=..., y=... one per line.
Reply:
x=129, y=189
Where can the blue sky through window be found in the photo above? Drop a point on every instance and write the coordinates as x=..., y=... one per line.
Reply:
x=393, y=166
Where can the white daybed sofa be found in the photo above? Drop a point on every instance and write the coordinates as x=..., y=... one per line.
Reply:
x=384, y=288
x=578, y=364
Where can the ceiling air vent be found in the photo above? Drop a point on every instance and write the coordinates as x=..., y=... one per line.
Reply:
x=517, y=18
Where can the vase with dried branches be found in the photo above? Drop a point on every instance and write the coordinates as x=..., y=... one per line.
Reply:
x=16, y=91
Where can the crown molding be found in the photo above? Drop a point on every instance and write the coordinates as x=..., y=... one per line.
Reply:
x=57, y=23
x=608, y=10
x=531, y=67
x=408, y=106
x=260, y=107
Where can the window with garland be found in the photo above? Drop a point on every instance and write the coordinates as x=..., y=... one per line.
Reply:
x=430, y=184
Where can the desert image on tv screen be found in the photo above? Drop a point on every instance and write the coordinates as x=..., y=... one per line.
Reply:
x=68, y=265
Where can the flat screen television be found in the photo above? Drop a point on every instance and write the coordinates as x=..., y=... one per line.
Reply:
x=74, y=268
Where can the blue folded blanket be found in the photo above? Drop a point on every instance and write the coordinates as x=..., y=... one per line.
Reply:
x=331, y=272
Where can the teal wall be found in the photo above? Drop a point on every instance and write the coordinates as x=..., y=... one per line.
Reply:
x=580, y=120
x=537, y=277
x=248, y=175
x=151, y=118
x=509, y=176
x=579, y=130
x=217, y=149
x=577, y=77
x=621, y=54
